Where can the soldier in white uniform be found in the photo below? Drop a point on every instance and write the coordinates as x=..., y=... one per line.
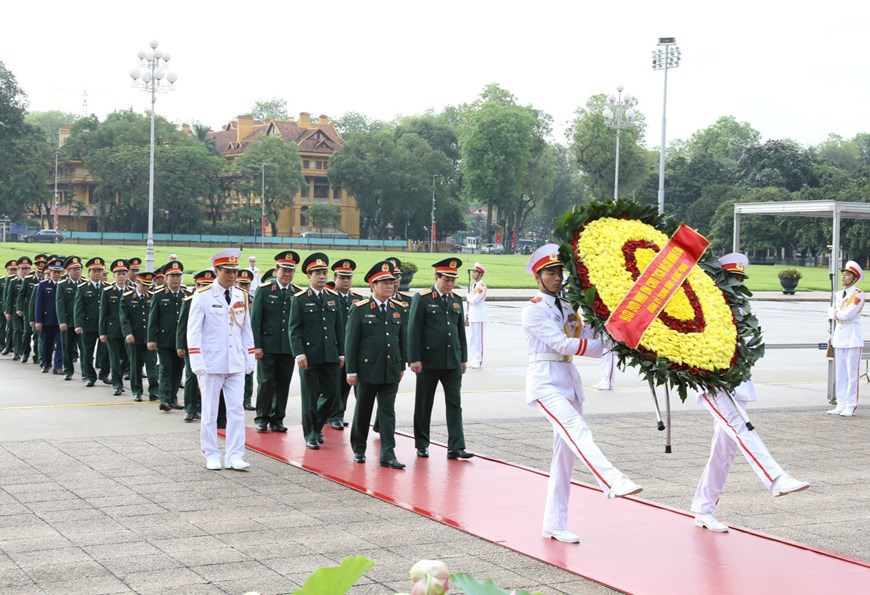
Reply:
x=221, y=349
x=476, y=316
x=729, y=434
x=553, y=332
x=848, y=339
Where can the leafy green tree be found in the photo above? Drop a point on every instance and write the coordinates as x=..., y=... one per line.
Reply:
x=567, y=191
x=50, y=122
x=13, y=103
x=761, y=232
x=353, y=123
x=435, y=130
x=840, y=152
x=724, y=140
x=270, y=109
x=282, y=174
x=24, y=191
x=781, y=163
x=323, y=215
x=699, y=214
x=89, y=135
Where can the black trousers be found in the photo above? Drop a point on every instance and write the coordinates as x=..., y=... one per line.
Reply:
x=341, y=401
x=70, y=343
x=89, y=345
x=427, y=383
x=52, y=349
x=274, y=373
x=366, y=395
x=171, y=367
x=319, y=390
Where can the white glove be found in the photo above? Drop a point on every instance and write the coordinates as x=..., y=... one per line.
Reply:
x=831, y=311
x=198, y=371
x=249, y=371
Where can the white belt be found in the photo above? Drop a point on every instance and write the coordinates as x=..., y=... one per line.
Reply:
x=551, y=357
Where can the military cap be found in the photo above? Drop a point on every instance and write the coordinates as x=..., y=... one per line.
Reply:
x=12, y=264
x=345, y=266
x=380, y=270
x=173, y=267
x=40, y=258
x=55, y=265
x=25, y=260
x=51, y=257
x=204, y=276
x=397, y=265
x=96, y=263
x=72, y=262
x=245, y=276
x=545, y=257
x=316, y=261
x=448, y=267
x=330, y=284
x=735, y=263
x=228, y=259
x=135, y=263
x=854, y=268
x=288, y=259
x=145, y=278
x=267, y=275
x=120, y=264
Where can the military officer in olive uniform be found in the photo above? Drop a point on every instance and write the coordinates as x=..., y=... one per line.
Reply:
x=134, y=310
x=110, y=322
x=342, y=272
x=317, y=341
x=66, y=297
x=6, y=322
x=11, y=310
x=402, y=300
x=192, y=395
x=135, y=266
x=438, y=353
x=86, y=317
x=24, y=303
x=244, y=279
x=269, y=322
x=162, y=329
x=375, y=351
x=45, y=316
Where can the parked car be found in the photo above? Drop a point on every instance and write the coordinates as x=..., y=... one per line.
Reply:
x=525, y=247
x=336, y=235
x=45, y=236
x=492, y=249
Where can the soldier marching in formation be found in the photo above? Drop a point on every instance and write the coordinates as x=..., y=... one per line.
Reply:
x=65, y=306
x=244, y=281
x=342, y=280
x=162, y=327
x=45, y=318
x=110, y=323
x=134, y=310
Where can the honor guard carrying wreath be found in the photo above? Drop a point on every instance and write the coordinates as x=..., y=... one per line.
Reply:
x=221, y=348
x=342, y=272
x=848, y=340
x=555, y=334
x=438, y=352
x=476, y=316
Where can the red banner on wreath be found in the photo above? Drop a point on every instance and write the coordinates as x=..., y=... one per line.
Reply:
x=655, y=286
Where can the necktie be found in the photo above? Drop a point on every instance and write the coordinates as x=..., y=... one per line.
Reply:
x=559, y=305
x=844, y=294
x=227, y=296
x=383, y=309
x=444, y=297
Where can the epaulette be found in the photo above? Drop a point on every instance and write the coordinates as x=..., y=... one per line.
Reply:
x=407, y=294
x=362, y=302
x=535, y=300
x=126, y=293
x=354, y=294
x=295, y=288
x=332, y=291
x=156, y=291
x=108, y=288
x=188, y=297
x=300, y=292
x=80, y=283
x=400, y=302
x=200, y=290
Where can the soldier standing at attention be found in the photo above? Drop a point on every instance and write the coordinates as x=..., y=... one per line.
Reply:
x=375, y=350
x=243, y=282
x=476, y=316
x=343, y=279
x=270, y=320
x=192, y=395
x=438, y=353
x=46, y=319
x=162, y=327
x=110, y=322
x=11, y=274
x=317, y=341
x=221, y=348
x=135, y=306
x=848, y=340
x=66, y=297
x=86, y=317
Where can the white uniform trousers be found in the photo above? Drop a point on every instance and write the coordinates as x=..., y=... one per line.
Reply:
x=475, y=344
x=572, y=439
x=848, y=361
x=608, y=368
x=210, y=386
x=729, y=434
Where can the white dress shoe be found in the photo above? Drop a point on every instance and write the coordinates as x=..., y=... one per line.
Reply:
x=835, y=411
x=708, y=521
x=564, y=536
x=213, y=464
x=786, y=484
x=624, y=487
x=847, y=413
x=238, y=465
x=602, y=386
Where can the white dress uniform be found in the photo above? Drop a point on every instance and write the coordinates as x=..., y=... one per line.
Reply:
x=554, y=388
x=608, y=365
x=221, y=347
x=848, y=343
x=476, y=319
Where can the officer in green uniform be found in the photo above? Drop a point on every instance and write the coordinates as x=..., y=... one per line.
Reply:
x=342, y=272
x=317, y=341
x=162, y=331
x=192, y=396
x=243, y=281
x=134, y=310
x=159, y=280
x=24, y=303
x=438, y=353
x=16, y=287
x=375, y=350
x=86, y=317
x=5, y=318
x=64, y=304
x=110, y=322
x=269, y=322
x=402, y=300
x=135, y=266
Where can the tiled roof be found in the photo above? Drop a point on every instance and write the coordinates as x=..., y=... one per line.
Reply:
x=320, y=138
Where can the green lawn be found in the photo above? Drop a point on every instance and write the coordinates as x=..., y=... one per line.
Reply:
x=502, y=270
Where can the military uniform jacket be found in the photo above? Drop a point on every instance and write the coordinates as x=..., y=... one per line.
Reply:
x=13, y=285
x=436, y=331
x=219, y=336
x=347, y=301
x=3, y=283
x=183, y=317
x=476, y=298
x=163, y=317
x=134, y=312
x=45, y=308
x=23, y=293
x=110, y=311
x=375, y=343
x=65, y=300
x=317, y=326
x=86, y=309
x=847, y=316
x=270, y=318
x=30, y=312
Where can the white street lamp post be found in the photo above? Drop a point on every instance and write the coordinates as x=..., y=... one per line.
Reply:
x=619, y=114
x=54, y=212
x=668, y=56
x=149, y=81
x=432, y=229
x=263, y=205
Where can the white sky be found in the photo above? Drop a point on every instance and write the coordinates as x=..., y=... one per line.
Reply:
x=792, y=69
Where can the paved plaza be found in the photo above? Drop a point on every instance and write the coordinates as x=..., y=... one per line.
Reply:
x=101, y=495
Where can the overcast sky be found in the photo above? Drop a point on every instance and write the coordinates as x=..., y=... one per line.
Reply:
x=791, y=69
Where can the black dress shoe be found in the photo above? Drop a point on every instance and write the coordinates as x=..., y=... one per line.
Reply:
x=358, y=458
x=279, y=428
x=90, y=383
x=320, y=437
x=117, y=392
x=196, y=416
x=312, y=444
x=393, y=464
x=336, y=425
x=345, y=423
x=423, y=453
x=45, y=370
x=67, y=376
x=16, y=358
x=165, y=407
x=250, y=408
x=126, y=377
x=188, y=417
x=106, y=380
x=57, y=372
x=176, y=406
x=137, y=398
x=459, y=454
x=153, y=398
x=262, y=428
x=222, y=426
x=24, y=360
x=6, y=351
x=376, y=429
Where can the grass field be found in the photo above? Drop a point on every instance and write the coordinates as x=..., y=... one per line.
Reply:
x=503, y=271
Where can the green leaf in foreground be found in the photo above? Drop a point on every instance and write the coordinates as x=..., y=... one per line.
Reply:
x=336, y=579
x=472, y=586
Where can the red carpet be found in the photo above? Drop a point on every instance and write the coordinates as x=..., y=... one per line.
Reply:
x=631, y=545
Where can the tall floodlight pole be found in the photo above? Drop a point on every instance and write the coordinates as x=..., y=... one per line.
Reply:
x=263, y=205
x=149, y=80
x=664, y=58
x=619, y=114
x=432, y=229
x=56, y=155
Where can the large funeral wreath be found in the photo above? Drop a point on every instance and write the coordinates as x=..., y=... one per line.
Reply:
x=706, y=338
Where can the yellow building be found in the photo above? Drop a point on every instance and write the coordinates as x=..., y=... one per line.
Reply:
x=317, y=140
x=77, y=206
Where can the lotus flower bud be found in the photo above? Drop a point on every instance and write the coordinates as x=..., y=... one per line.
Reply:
x=430, y=578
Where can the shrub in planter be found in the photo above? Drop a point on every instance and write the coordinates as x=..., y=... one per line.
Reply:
x=789, y=278
x=408, y=269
